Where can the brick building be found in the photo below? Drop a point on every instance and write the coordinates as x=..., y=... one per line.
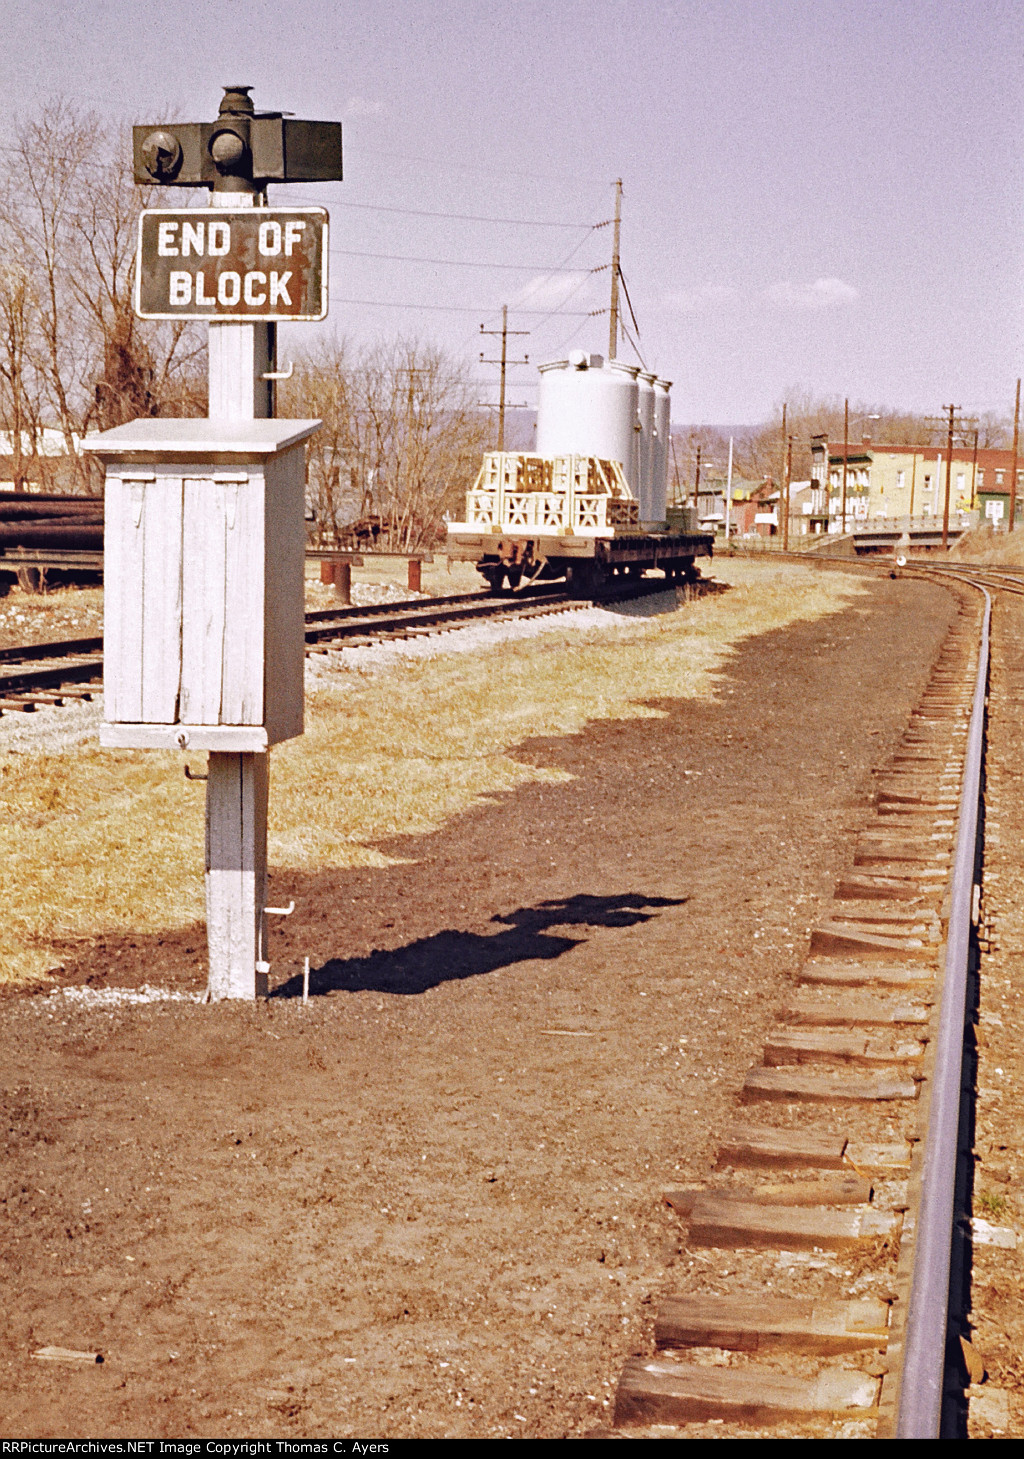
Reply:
x=910, y=481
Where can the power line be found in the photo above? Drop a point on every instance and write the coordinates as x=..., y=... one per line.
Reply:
x=483, y=309
x=570, y=336
x=632, y=312
x=549, y=274
x=558, y=307
x=465, y=217
x=632, y=341
x=460, y=262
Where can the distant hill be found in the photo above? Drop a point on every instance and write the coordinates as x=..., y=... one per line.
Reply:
x=521, y=430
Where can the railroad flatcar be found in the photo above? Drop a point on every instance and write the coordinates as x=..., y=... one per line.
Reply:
x=590, y=503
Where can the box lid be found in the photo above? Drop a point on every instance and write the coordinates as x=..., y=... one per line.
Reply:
x=173, y=436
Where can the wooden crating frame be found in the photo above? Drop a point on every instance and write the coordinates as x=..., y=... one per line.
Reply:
x=517, y=492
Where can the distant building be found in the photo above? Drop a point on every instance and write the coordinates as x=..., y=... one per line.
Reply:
x=888, y=481
x=713, y=506
x=49, y=441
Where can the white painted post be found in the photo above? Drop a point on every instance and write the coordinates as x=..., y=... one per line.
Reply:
x=728, y=496
x=236, y=870
x=238, y=787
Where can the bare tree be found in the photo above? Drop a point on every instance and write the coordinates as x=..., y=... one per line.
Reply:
x=428, y=436
x=43, y=179
x=321, y=388
x=68, y=214
x=760, y=450
x=16, y=382
x=401, y=441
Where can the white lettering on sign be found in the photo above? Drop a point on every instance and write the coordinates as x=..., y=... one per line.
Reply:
x=192, y=238
x=165, y=240
x=249, y=292
x=218, y=239
x=293, y=231
x=229, y=287
x=270, y=239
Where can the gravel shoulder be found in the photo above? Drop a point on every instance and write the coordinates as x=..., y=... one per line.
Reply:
x=997, y=1323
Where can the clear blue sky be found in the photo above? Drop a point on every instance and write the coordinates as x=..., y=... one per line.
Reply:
x=825, y=195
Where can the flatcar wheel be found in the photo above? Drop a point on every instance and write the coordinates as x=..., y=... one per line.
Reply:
x=492, y=576
x=32, y=579
x=514, y=576
x=579, y=577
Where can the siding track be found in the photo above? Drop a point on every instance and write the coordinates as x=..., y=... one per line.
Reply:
x=34, y=675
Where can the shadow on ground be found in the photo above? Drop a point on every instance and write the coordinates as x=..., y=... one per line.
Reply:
x=449, y=956
x=653, y=605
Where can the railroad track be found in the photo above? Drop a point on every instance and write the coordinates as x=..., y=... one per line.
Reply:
x=37, y=675
x=819, y=1256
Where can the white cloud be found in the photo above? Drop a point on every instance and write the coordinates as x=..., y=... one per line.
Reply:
x=822, y=294
x=548, y=291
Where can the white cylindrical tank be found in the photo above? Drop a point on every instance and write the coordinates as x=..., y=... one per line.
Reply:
x=588, y=408
x=663, y=448
x=645, y=444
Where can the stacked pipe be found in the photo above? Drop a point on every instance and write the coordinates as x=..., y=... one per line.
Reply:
x=73, y=523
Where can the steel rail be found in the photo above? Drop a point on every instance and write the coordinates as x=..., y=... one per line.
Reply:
x=22, y=672
x=919, y=1405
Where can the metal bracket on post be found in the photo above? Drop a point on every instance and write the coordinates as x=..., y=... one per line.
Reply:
x=280, y=374
x=262, y=963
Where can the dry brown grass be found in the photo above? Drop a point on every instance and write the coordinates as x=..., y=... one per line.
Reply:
x=99, y=842
x=984, y=545
x=36, y=617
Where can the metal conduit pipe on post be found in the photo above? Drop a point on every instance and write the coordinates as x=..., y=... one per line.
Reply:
x=919, y=1406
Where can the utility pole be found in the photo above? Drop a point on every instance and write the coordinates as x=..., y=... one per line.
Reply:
x=728, y=495
x=1013, y=473
x=949, y=475
x=954, y=428
x=696, y=482
x=782, y=464
x=410, y=412
x=504, y=331
x=846, y=452
x=789, y=473
x=613, y=325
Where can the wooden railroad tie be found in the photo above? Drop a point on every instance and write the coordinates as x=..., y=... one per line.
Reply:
x=771, y=1324
x=666, y=1391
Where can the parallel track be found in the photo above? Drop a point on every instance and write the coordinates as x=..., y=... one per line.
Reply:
x=824, y=1238
x=33, y=675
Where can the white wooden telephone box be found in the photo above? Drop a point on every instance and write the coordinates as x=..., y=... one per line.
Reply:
x=204, y=548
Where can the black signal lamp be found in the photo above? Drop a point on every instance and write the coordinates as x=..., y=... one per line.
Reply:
x=241, y=151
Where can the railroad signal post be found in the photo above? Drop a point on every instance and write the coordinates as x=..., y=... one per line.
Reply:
x=205, y=534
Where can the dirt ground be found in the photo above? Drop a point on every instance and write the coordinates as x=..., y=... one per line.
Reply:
x=427, y=1204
